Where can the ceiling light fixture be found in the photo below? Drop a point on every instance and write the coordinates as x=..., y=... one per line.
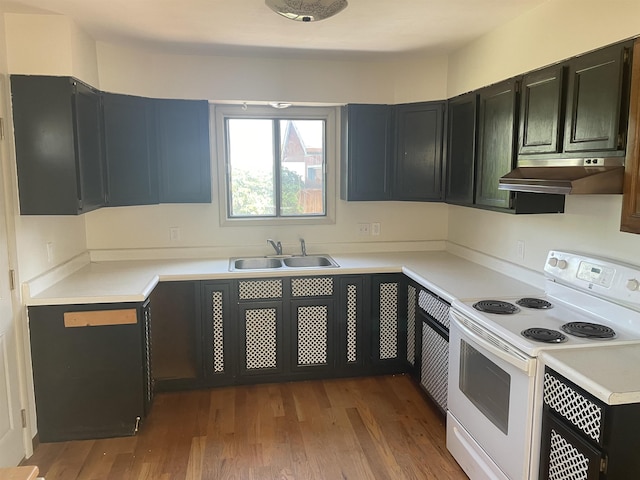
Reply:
x=306, y=10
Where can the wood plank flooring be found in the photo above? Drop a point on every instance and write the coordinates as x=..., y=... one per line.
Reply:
x=362, y=428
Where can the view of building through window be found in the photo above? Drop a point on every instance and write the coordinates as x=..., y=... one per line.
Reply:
x=276, y=167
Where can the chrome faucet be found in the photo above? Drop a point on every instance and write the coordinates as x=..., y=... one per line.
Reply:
x=276, y=246
x=303, y=247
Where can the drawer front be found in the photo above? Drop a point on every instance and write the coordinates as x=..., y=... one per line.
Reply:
x=312, y=287
x=577, y=407
x=259, y=289
x=435, y=307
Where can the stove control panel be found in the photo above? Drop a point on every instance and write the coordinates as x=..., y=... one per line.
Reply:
x=607, y=278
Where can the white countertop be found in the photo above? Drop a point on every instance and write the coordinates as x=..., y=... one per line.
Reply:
x=447, y=275
x=609, y=373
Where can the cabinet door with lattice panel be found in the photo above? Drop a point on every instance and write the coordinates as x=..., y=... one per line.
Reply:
x=389, y=320
x=218, y=318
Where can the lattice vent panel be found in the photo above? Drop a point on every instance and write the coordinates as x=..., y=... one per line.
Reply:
x=435, y=365
x=261, y=338
x=218, y=332
x=580, y=411
x=352, y=323
x=411, y=325
x=565, y=461
x=434, y=307
x=388, y=320
x=312, y=287
x=259, y=289
x=312, y=335
x=148, y=355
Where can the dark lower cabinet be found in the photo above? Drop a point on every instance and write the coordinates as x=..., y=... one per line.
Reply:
x=583, y=438
x=388, y=322
x=177, y=335
x=91, y=369
x=218, y=328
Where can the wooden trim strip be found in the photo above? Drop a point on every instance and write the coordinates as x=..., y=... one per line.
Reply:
x=100, y=318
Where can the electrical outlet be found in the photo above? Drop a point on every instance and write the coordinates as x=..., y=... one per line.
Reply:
x=375, y=229
x=174, y=234
x=520, y=250
x=364, y=228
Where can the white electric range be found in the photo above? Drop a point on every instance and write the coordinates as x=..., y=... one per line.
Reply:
x=493, y=401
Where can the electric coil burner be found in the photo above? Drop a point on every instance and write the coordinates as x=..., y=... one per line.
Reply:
x=536, y=303
x=588, y=330
x=545, y=335
x=496, y=306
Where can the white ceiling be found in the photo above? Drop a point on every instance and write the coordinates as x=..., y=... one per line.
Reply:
x=365, y=27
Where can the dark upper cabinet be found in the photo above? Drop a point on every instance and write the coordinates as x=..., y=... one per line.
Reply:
x=630, y=220
x=392, y=152
x=57, y=123
x=367, y=150
x=462, y=117
x=596, y=100
x=183, y=151
x=496, y=145
x=418, y=161
x=130, y=147
x=542, y=111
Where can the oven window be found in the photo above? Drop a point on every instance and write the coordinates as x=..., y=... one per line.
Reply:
x=486, y=385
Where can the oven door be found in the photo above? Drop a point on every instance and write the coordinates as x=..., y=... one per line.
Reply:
x=491, y=399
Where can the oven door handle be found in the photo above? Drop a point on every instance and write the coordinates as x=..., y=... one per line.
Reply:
x=495, y=346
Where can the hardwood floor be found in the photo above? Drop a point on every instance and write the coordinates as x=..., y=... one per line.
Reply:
x=362, y=428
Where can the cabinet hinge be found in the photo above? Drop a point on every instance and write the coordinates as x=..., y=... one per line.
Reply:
x=80, y=205
x=23, y=417
x=603, y=464
x=12, y=279
x=621, y=141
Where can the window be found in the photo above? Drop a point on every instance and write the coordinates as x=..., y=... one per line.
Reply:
x=273, y=164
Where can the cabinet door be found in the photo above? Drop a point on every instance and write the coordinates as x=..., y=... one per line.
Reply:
x=434, y=362
x=130, y=145
x=218, y=331
x=413, y=344
x=47, y=117
x=353, y=334
x=418, y=165
x=389, y=322
x=147, y=358
x=261, y=338
x=496, y=142
x=312, y=335
x=88, y=135
x=541, y=110
x=563, y=451
x=461, y=149
x=596, y=119
x=183, y=151
x=177, y=335
x=366, y=165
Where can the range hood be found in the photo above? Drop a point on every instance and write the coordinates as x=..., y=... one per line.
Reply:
x=566, y=177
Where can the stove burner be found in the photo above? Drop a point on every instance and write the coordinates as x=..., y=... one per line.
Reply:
x=544, y=335
x=536, y=303
x=496, y=306
x=588, y=330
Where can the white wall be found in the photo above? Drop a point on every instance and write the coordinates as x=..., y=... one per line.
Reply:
x=47, y=45
x=556, y=30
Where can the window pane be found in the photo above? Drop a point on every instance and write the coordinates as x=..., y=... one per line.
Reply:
x=251, y=160
x=302, y=167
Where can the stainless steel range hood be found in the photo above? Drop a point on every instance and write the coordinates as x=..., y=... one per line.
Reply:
x=566, y=176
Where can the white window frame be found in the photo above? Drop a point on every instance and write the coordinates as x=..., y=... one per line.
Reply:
x=329, y=114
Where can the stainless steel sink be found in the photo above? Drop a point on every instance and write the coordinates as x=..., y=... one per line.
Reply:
x=255, y=263
x=310, y=261
x=292, y=262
